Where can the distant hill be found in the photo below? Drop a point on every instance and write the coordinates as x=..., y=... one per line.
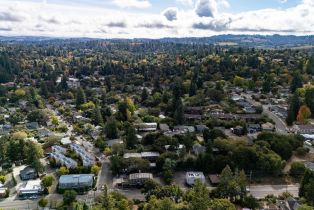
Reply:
x=269, y=41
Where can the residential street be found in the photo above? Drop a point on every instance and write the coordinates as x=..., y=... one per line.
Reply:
x=281, y=126
x=260, y=191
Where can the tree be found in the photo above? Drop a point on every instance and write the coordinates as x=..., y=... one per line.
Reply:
x=95, y=169
x=309, y=99
x=34, y=152
x=116, y=164
x=144, y=95
x=97, y=117
x=69, y=196
x=228, y=187
x=2, y=179
x=47, y=181
x=131, y=139
x=305, y=207
x=296, y=82
x=39, y=116
x=242, y=182
x=168, y=168
x=43, y=202
x=80, y=97
x=63, y=170
x=222, y=204
x=106, y=201
x=111, y=129
x=123, y=113
x=179, y=113
x=250, y=202
x=199, y=197
x=293, y=109
x=43, y=89
x=304, y=114
x=297, y=169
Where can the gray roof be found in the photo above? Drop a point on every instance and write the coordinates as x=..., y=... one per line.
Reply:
x=76, y=178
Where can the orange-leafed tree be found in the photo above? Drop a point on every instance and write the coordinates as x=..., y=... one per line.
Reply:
x=303, y=114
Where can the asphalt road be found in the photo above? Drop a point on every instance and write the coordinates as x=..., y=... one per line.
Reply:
x=260, y=191
x=280, y=125
x=18, y=204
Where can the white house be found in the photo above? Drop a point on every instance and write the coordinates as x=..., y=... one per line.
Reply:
x=191, y=177
x=147, y=127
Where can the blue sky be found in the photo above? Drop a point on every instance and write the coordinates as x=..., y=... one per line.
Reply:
x=155, y=18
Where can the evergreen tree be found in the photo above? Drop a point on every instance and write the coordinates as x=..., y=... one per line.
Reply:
x=131, y=139
x=309, y=99
x=179, y=113
x=199, y=197
x=293, y=109
x=63, y=84
x=296, y=82
x=43, y=89
x=111, y=129
x=144, y=95
x=80, y=97
x=193, y=89
x=97, y=117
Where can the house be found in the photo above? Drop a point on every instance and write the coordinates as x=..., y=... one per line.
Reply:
x=63, y=160
x=214, y=179
x=191, y=177
x=42, y=133
x=304, y=129
x=309, y=165
x=32, y=188
x=73, y=82
x=200, y=128
x=164, y=127
x=221, y=116
x=87, y=158
x=289, y=204
x=151, y=156
x=193, y=113
x=28, y=173
x=249, y=110
x=198, y=149
x=58, y=149
x=66, y=141
x=139, y=179
x=76, y=181
x=268, y=127
x=185, y=128
x=5, y=129
x=32, y=125
x=147, y=127
x=249, y=118
x=3, y=192
x=253, y=128
x=238, y=130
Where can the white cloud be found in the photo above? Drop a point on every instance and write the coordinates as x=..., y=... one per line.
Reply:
x=171, y=13
x=206, y=8
x=30, y=18
x=132, y=3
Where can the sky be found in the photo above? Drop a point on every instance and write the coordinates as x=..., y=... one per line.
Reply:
x=154, y=18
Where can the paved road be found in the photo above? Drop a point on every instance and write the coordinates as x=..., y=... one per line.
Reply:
x=18, y=204
x=260, y=191
x=281, y=126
